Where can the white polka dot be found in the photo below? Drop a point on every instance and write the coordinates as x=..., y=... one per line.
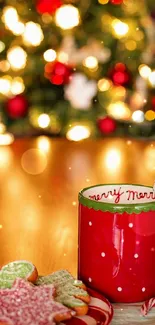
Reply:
x=137, y=242
x=119, y=289
x=130, y=269
x=122, y=309
x=130, y=225
x=103, y=254
x=136, y=256
x=90, y=279
x=152, y=249
x=143, y=289
x=122, y=240
x=90, y=223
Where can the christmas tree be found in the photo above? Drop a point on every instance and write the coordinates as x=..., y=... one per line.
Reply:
x=77, y=68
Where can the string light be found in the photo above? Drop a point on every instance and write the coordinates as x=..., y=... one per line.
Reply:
x=17, y=57
x=78, y=133
x=50, y=55
x=119, y=110
x=91, y=62
x=67, y=17
x=120, y=29
x=33, y=34
x=5, y=85
x=138, y=116
x=152, y=78
x=43, y=121
x=144, y=71
x=2, y=46
x=17, y=86
x=150, y=115
x=104, y=84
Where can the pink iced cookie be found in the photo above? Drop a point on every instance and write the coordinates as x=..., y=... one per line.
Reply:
x=25, y=304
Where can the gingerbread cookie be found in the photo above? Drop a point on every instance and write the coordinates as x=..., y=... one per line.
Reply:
x=26, y=304
x=70, y=292
x=17, y=269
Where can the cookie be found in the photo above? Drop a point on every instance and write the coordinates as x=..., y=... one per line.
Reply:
x=27, y=304
x=70, y=292
x=17, y=269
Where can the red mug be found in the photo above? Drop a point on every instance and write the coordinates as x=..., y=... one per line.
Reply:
x=116, y=254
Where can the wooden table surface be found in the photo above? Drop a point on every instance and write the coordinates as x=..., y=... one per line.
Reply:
x=39, y=183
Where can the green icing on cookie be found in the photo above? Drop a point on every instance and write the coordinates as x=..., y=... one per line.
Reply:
x=66, y=286
x=13, y=270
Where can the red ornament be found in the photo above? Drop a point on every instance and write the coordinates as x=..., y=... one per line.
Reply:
x=48, y=6
x=120, y=75
x=106, y=125
x=17, y=107
x=58, y=73
x=116, y=2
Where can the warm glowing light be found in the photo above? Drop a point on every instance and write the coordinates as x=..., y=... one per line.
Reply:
x=120, y=29
x=150, y=115
x=33, y=34
x=43, y=143
x=2, y=128
x=144, y=71
x=5, y=85
x=104, y=84
x=63, y=57
x=18, y=28
x=43, y=121
x=47, y=18
x=4, y=65
x=6, y=139
x=34, y=161
x=67, y=17
x=10, y=16
x=112, y=159
x=17, y=86
x=152, y=78
x=50, y=55
x=90, y=62
x=17, y=57
x=2, y=46
x=78, y=133
x=119, y=110
x=131, y=45
x=138, y=116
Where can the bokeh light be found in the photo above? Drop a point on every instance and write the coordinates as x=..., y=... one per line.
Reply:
x=43, y=121
x=2, y=46
x=33, y=34
x=90, y=62
x=138, y=116
x=17, y=57
x=67, y=17
x=78, y=133
x=50, y=55
x=152, y=78
x=17, y=86
x=120, y=28
x=5, y=85
x=150, y=115
x=43, y=143
x=34, y=161
x=6, y=139
x=144, y=71
x=104, y=84
x=112, y=159
x=119, y=110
